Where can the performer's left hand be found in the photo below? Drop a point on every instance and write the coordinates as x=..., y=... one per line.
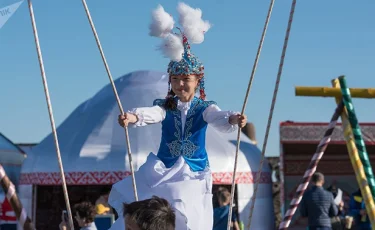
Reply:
x=239, y=119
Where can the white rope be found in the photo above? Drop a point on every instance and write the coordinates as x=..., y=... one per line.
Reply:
x=243, y=111
x=281, y=65
x=50, y=112
x=116, y=95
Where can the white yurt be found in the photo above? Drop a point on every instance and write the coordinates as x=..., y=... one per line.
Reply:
x=94, y=153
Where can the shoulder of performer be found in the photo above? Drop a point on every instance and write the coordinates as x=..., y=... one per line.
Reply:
x=207, y=103
x=158, y=102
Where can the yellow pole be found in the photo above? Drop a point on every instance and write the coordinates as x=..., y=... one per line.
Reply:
x=333, y=92
x=356, y=161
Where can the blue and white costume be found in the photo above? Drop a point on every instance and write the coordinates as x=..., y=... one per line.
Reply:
x=180, y=171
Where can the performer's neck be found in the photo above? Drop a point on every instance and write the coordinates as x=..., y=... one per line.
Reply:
x=186, y=99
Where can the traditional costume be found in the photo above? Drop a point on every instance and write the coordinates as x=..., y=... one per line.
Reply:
x=180, y=171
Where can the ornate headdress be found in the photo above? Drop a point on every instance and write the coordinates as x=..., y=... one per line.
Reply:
x=176, y=46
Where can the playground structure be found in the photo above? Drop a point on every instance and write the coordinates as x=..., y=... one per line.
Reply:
x=354, y=141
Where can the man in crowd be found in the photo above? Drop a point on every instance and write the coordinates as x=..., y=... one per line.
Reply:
x=84, y=214
x=318, y=205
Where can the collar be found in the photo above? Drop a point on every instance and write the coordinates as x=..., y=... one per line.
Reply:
x=185, y=106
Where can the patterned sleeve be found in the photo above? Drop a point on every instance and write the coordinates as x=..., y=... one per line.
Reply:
x=219, y=119
x=148, y=115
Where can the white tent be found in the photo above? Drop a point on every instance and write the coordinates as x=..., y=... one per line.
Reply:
x=94, y=150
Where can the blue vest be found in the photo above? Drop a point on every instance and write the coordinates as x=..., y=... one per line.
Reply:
x=189, y=144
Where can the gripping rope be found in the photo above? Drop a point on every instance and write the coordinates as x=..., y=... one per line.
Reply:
x=116, y=95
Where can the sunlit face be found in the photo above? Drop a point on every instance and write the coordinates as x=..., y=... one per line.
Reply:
x=184, y=85
x=130, y=225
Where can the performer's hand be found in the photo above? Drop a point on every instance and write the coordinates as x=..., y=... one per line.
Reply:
x=127, y=118
x=241, y=120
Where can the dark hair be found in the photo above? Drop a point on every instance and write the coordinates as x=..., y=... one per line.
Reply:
x=85, y=210
x=170, y=103
x=317, y=177
x=151, y=214
x=223, y=195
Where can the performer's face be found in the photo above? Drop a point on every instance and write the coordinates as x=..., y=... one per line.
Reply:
x=184, y=86
x=130, y=225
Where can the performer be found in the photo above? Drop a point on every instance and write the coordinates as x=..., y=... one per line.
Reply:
x=180, y=171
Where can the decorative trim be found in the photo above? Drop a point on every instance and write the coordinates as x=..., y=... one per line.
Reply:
x=313, y=132
x=100, y=178
x=338, y=167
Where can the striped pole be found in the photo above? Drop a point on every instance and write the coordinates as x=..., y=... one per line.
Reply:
x=322, y=146
x=360, y=144
x=11, y=196
x=356, y=162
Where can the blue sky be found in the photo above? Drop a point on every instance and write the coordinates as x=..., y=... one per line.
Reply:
x=328, y=39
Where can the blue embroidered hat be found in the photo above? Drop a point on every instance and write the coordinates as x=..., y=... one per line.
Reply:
x=176, y=46
x=188, y=65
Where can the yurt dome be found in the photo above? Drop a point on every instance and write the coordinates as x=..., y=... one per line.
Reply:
x=93, y=146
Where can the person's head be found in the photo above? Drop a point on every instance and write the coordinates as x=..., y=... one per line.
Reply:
x=333, y=189
x=186, y=76
x=184, y=85
x=176, y=46
x=318, y=179
x=223, y=196
x=151, y=214
x=84, y=213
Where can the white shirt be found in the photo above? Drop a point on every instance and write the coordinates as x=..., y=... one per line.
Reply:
x=213, y=115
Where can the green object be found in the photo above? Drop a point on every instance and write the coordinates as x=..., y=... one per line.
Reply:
x=359, y=142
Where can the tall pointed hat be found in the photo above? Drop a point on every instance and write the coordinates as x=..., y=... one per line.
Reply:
x=175, y=45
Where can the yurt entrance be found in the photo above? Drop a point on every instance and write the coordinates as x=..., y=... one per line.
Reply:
x=50, y=202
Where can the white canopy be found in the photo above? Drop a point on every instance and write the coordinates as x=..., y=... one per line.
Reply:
x=93, y=145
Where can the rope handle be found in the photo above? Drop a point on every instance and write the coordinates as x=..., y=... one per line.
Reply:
x=244, y=107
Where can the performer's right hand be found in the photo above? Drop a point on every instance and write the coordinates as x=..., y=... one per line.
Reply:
x=127, y=118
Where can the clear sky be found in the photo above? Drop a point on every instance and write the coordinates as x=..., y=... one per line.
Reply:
x=328, y=38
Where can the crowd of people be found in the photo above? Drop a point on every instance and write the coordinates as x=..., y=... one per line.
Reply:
x=324, y=208
x=150, y=214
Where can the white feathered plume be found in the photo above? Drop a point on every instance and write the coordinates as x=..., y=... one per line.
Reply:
x=161, y=26
x=192, y=23
x=162, y=23
x=172, y=47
